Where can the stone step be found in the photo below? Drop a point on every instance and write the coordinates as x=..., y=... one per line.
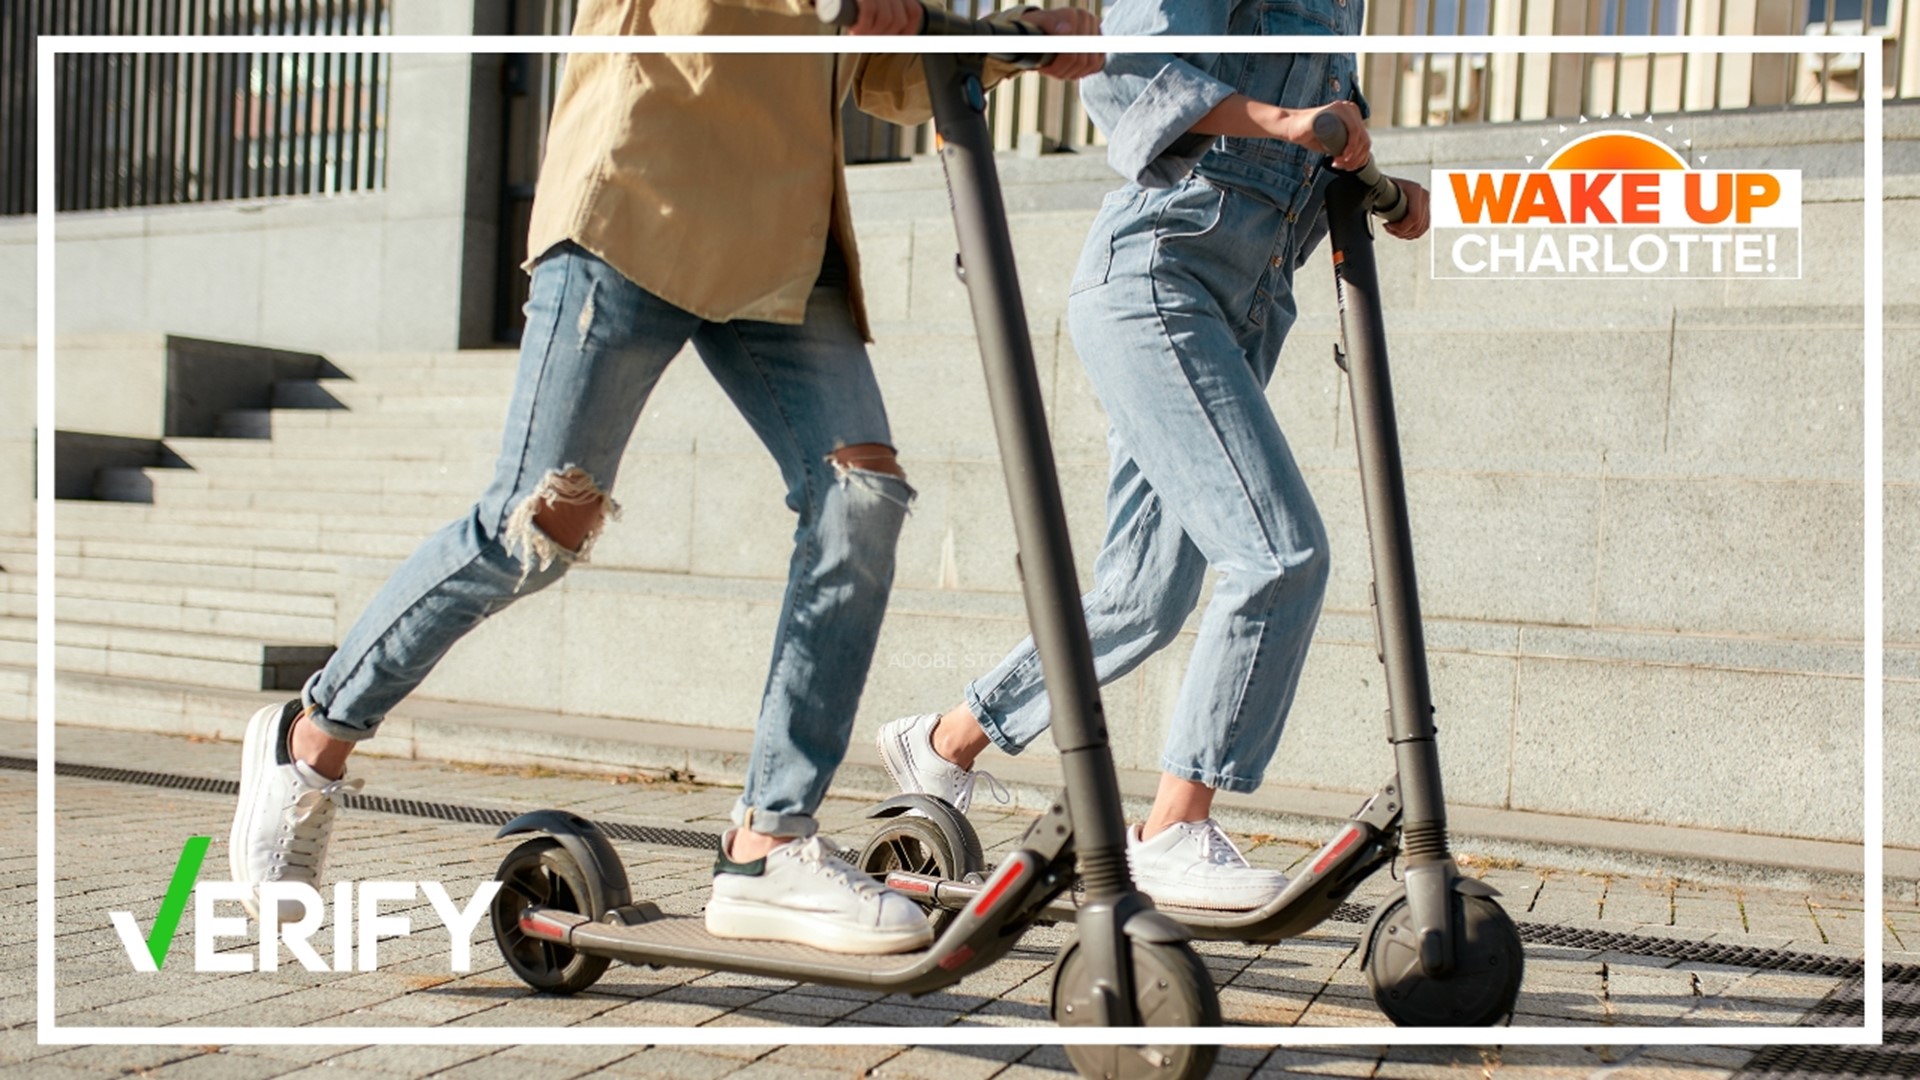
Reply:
x=304, y=605
x=152, y=485
x=151, y=571
x=125, y=538
x=81, y=519
x=167, y=655
x=345, y=423
x=431, y=445
x=187, y=551
x=408, y=399
x=194, y=618
x=304, y=514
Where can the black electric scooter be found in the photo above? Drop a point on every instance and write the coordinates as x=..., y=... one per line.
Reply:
x=1440, y=951
x=566, y=910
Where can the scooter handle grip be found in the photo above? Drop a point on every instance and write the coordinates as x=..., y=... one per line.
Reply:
x=939, y=22
x=1385, y=198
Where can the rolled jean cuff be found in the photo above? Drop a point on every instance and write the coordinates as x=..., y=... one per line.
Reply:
x=774, y=823
x=316, y=715
x=989, y=720
x=1217, y=781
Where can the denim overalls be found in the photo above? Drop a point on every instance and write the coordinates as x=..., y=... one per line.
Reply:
x=1178, y=309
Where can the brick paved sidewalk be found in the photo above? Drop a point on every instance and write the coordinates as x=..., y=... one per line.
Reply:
x=118, y=844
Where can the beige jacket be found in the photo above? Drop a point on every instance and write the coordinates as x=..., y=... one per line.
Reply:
x=713, y=180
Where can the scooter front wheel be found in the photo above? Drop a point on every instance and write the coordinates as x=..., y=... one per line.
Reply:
x=1487, y=966
x=1171, y=988
x=542, y=871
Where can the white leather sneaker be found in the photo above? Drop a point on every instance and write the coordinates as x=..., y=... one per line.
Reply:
x=284, y=821
x=801, y=892
x=906, y=749
x=1193, y=864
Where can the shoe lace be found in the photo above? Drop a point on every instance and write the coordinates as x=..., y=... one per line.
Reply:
x=823, y=856
x=300, y=851
x=963, y=794
x=1215, y=846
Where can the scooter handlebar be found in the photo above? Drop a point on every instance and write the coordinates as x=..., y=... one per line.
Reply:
x=1385, y=198
x=939, y=22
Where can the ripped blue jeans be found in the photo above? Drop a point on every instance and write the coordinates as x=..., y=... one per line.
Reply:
x=595, y=347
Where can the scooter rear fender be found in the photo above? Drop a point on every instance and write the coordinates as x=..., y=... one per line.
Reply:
x=583, y=840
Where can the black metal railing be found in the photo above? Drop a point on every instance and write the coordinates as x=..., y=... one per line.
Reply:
x=154, y=130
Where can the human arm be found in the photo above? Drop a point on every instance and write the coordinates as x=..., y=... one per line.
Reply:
x=893, y=86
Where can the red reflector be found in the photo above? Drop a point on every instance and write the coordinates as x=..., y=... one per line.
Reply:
x=1006, y=877
x=907, y=884
x=1336, y=849
x=960, y=956
x=1339, y=256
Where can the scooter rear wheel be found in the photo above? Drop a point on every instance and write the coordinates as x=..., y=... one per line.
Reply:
x=541, y=871
x=919, y=845
x=1481, y=989
x=1171, y=988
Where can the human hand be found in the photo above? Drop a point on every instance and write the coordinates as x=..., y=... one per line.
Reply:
x=1070, y=20
x=1414, y=225
x=887, y=17
x=1297, y=127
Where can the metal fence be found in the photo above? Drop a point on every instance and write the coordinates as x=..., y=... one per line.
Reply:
x=161, y=129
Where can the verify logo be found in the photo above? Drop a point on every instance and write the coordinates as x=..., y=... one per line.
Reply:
x=351, y=905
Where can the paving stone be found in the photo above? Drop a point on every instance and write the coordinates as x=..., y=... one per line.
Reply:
x=672, y=1063
x=948, y=1062
x=1287, y=1061
x=1314, y=979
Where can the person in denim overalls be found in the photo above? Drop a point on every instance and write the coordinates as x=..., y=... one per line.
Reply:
x=1179, y=306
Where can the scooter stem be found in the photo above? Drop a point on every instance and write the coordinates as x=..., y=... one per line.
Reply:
x=1395, y=593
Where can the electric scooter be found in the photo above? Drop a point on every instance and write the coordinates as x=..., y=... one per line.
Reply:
x=1440, y=950
x=567, y=911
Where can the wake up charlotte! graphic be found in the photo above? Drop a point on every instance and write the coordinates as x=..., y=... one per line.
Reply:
x=1616, y=203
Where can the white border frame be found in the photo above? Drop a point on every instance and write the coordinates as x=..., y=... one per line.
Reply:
x=48, y=1031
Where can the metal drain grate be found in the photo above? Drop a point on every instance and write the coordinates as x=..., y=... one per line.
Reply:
x=380, y=804
x=1531, y=933
x=1846, y=1007
x=1703, y=952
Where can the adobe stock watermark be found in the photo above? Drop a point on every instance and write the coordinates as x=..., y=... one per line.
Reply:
x=358, y=924
x=935, y=661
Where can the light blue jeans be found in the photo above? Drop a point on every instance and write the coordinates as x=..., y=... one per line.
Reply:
x=1179, y=307
x=595, y=347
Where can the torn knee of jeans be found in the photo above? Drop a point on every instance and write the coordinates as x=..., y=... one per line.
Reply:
x=872, y=468
x=527, y=541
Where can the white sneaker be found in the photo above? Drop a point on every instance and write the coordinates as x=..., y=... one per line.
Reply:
x=801, y=892
x=1193, y=864
x=285, y=817
x=906, y=749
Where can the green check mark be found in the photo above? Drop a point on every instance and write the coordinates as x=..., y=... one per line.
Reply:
x=185, y=873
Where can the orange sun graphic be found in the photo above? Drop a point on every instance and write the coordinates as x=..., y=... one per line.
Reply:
x=1614, y=150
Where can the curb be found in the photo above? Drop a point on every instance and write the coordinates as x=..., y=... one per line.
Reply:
x=429, y=730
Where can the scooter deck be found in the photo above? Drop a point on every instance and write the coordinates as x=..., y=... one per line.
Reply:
x=679, y=941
